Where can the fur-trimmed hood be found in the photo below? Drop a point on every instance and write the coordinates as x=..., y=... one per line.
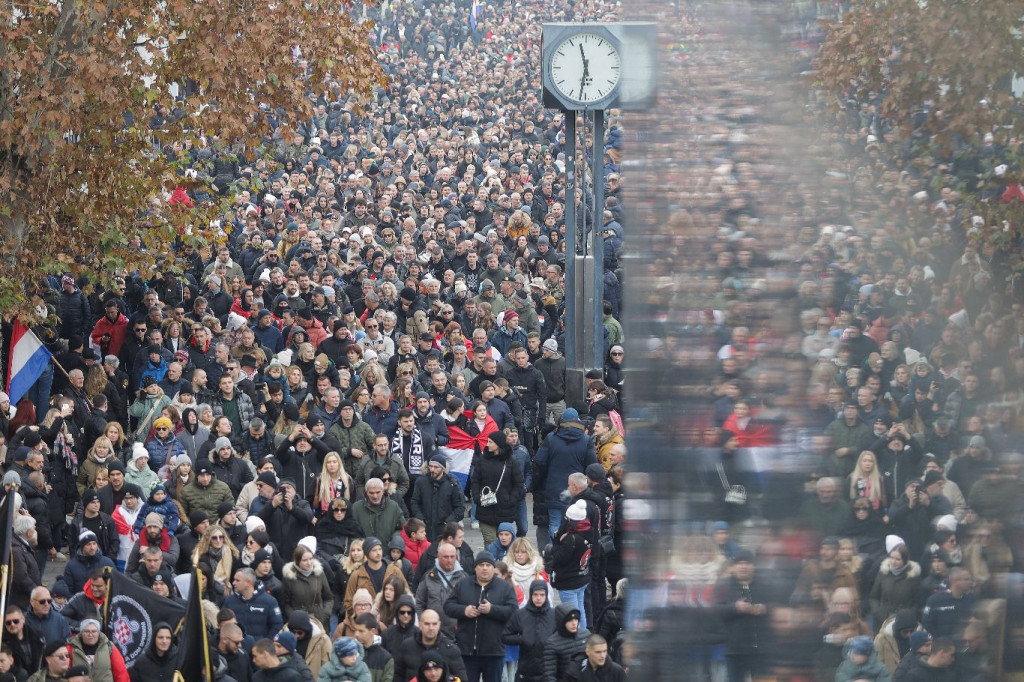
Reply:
x=291, y=572
x=913, y=569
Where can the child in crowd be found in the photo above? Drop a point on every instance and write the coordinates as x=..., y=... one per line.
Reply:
x=414, y=534
x=346, y=663
x=159, y=503
x=506, y=534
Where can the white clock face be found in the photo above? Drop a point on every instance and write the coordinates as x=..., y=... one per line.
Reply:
x=585, y=67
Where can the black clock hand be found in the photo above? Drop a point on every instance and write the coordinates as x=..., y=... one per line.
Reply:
x=586, y=70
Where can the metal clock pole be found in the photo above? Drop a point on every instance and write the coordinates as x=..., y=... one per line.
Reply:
x=570, y=238
x=597, y=252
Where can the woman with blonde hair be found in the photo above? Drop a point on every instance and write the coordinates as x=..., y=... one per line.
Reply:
x=332, y=484
x=348, y=565
x=115, y=432
x=220, y=555
x=526, y=565
x=99, y=456
x=866, y=482
x=371, y=376
x=388, y=294
x=96, y=382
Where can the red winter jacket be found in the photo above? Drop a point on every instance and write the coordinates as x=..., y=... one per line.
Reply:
x=413, y=549
x=116, y=329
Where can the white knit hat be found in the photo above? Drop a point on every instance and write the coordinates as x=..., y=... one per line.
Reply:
x=947, y=521
x=309, y=542
x=577, y=512
x=892, y=542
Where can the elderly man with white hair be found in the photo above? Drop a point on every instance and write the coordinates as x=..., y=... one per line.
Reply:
x=377, y=514
x=25, y=575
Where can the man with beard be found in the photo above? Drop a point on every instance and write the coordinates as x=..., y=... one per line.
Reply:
x=354, y=437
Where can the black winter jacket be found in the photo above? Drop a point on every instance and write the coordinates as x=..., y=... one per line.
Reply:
x=152, y=667
x=286, y=527
x=571, y=554
x=745, y=632
x=75, y=315
x=563, y=647
x=488, y=469
x=407, y=658
x=437, y=502
x=530, y=628
x=232, y=471
x=529, y=384
x=481, y=636
x=301, y=468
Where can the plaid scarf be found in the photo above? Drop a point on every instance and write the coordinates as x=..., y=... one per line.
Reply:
x=414, y=462
x=65, y=451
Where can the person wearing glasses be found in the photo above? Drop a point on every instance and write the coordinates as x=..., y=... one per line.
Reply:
x=230, y=646
x=26, y=642
x=428, y=640
x=91, y=648
x=56, y=661
x=43, y=618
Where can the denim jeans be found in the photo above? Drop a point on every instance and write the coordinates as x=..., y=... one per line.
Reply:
x=522, y=523
x=554, y=522
x=577, y=598
x=39, y=392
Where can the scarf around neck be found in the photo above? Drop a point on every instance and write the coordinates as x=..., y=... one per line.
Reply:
x=444, y=574
x=414, y=463
x=523, y=573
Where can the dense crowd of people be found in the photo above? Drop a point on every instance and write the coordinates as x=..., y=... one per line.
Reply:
x=286, y=410
x=846, y=377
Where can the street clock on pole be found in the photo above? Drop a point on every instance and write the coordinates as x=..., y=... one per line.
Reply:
x=583, y=67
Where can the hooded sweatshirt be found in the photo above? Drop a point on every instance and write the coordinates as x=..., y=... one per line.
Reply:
x=192, y=436
x=529, y=628
x=563, y=646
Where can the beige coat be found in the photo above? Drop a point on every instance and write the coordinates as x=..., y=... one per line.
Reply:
x=319, y=649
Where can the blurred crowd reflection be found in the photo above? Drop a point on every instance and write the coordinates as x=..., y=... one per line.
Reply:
x=825, y=403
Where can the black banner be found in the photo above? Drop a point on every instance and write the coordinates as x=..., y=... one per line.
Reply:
x=194, y=644
x=130, y=612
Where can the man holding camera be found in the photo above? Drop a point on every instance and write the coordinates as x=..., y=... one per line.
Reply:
x=288, y=517
x=301, y=455
x=912, y=512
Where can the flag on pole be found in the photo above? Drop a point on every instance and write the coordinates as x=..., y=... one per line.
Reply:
x=27, y=363
x=130, y=612
x=193, y=643
x=6, y=528
x=473, y=13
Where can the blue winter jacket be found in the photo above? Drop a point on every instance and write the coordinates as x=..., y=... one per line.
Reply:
x=566, y=451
